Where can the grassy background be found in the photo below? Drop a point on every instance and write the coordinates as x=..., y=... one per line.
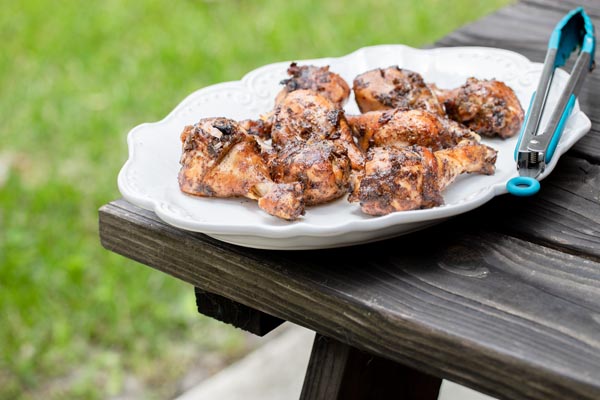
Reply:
x=76, y=320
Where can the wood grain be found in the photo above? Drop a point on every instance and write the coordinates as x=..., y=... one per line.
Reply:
x=592, y=7
x=337, y=371
x=525, y=28
x=501, y=315
x=564, y=215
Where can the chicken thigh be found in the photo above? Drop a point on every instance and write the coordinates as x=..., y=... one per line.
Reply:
x=220, y=159
x=488, y=107
x=322, y=167
x=307, y=77
x=307, y=116
x=317, y=79
x=394, y=87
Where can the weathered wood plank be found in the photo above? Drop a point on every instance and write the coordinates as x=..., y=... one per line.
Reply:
x=525, y=28
x=234, y=313
x=592, y=7
x=565, y=214
x=498, y=314
x=338, y=371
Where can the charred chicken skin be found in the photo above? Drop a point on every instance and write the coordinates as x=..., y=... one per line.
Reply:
x=258, y=128
x=393, y=87
x=313, y=144
x=323, y=168
x=220, y=159
x=400, y=128
x=307, y=77
x=488, y=107
x=307, y=116
x=317, y=79
x=304, y=152
x=409, y=178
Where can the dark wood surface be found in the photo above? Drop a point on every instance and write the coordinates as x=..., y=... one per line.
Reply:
x=497, y=313
x=504, y=299
x=337, y=371
x=525, y=28
x=236, y=314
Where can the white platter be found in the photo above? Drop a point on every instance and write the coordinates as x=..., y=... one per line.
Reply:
x=149, y=177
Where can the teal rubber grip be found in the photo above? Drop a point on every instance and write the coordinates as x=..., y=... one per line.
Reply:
x=559, y=129
x=523, y=127
x=523, y=186
x=574, y=29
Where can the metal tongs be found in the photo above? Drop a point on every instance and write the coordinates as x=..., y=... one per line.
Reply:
x=536, y=146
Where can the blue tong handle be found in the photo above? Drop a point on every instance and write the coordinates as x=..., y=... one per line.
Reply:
x=535, y=148
x=572, y=32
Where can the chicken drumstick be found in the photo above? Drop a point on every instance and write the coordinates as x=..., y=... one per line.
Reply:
x=409, y=178
x=408, y=127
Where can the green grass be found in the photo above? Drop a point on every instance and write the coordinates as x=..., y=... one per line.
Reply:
x=76, y=320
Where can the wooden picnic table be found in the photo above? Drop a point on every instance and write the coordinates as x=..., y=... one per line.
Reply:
x=504, y=299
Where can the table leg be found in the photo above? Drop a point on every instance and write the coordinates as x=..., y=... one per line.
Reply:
x=339, y=371
x=234, y=313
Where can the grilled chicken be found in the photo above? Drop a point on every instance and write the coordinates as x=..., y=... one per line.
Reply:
x=488, y=107
x=317, y=79
x=393, y=87
x=259, y=128
x=409, y=178
x=307, y=77
x=313, y=144
x=307, y=116
x=304, y=153
x=322, y=166
x=220, y=159
x=408, y=127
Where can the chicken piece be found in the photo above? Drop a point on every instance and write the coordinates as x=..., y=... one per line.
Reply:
x=317, y=79
x=307, y=116
x=322, y=166
x=313, y=143
x=394, y=87
x=260, y=128
x=488, y=107
x=220, y=159
x=464, y=158
x=408, y=127
x=409, y=178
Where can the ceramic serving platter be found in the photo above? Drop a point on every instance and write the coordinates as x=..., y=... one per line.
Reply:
x=148, y=178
